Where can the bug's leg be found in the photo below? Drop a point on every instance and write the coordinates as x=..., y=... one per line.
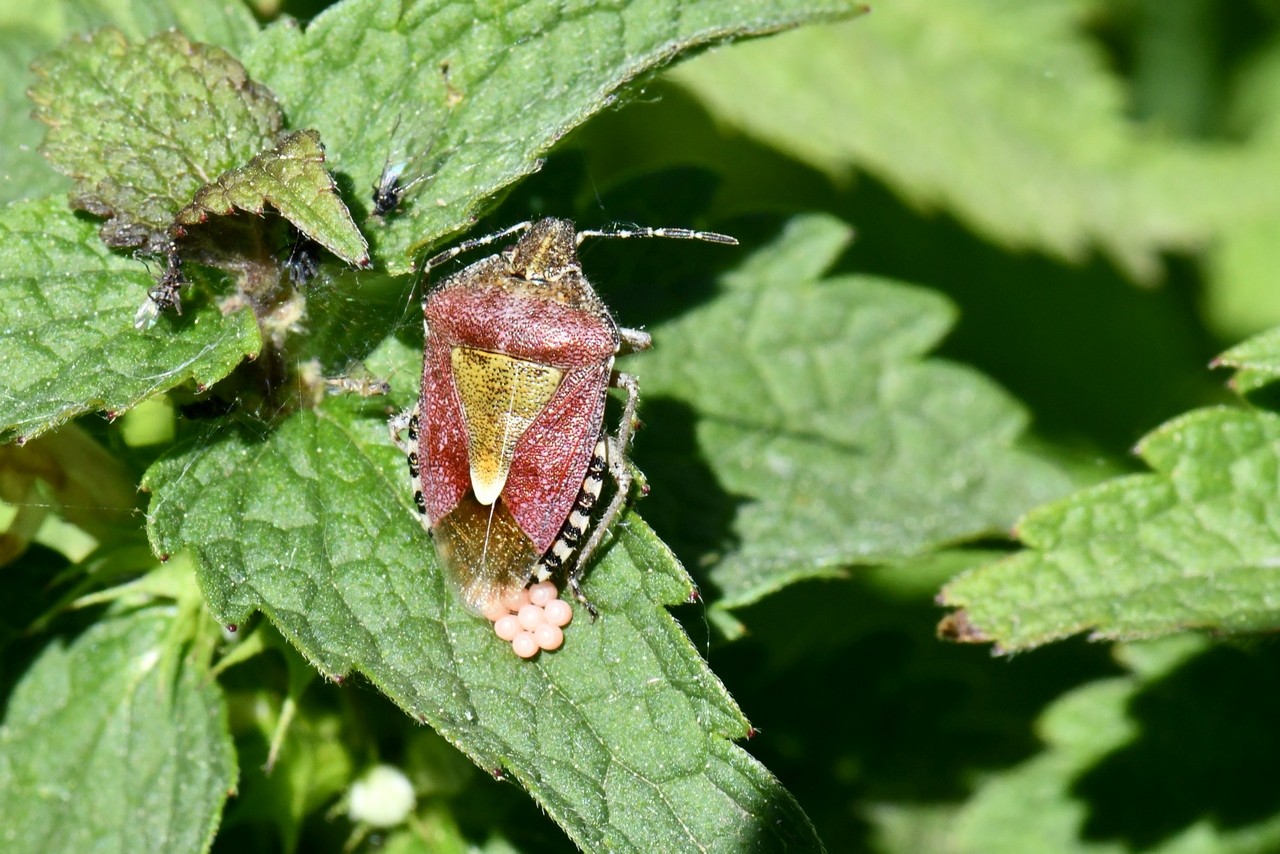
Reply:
x=561, y=553
x=634, y=340
x=403, y=423
x=615, y=459
x=618, y=463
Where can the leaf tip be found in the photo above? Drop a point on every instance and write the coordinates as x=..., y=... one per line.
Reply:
x=957, y=628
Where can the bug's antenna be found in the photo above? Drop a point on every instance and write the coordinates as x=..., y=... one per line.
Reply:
x=675, y=233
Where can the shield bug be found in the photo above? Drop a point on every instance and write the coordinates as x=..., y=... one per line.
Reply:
x=507, y=444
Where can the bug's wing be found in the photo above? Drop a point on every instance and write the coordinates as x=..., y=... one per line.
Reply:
x=478, y=406
x=484, y=552
x=551, y=458
x=442, y=437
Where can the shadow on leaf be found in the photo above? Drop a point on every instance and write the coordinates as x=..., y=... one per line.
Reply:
x=851, y=672
x=1207, y=751
x=688, y=507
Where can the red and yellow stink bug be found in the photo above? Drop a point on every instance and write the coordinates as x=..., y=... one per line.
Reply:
x=507, y=446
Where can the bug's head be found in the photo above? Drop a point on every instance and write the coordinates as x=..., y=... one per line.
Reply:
x=545, y=252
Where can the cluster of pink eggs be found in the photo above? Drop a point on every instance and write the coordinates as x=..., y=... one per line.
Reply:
x=532, y=619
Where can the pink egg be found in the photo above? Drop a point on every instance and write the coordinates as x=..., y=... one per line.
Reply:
x=495, y=611
x=558, y=612
x=548, y=636
x=543, y=592
x=515, y=599
x=507, y=627
x=525, y=645
x=531, y=616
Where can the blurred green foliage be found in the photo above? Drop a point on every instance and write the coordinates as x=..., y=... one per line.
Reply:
x=1076, y=203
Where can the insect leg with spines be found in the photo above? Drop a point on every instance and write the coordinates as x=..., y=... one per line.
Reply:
x=611, y=451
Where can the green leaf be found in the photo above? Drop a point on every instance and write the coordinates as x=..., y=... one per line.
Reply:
x=291, y=178
x=1240, y=296
x=476, y=93
x=103, y=748
x=1003, y=114
x=66, y=311
x=28, y=29
x=228, y=24
x=1133, y=763
x=835, y=441
x=1192, y=545
x=1080, y=728
x=167, y=117
x=23, y=173
x=622, y=736
x=1257, y=360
